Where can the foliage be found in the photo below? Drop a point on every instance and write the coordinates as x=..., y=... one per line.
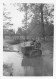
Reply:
x=38, y=19
x=6, y=18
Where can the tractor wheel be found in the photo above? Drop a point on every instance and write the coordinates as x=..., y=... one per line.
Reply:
x=36, y=53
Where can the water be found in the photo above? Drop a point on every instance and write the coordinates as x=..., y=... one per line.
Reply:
x=26, y=66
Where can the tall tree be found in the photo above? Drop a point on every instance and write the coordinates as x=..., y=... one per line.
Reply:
x=24, y=7
x=39, y=15
x=42, y=21
x=43, y=14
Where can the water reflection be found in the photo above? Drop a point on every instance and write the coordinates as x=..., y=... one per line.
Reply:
x=33, y=66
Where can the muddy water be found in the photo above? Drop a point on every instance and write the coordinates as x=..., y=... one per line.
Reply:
x=26, y=66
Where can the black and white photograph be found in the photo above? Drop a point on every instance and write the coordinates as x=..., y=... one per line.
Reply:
x=28, y=39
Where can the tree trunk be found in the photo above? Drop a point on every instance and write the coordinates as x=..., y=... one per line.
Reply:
x=26, y=21
x=42, y=22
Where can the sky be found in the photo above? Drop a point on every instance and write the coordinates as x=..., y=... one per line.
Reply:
x=16, y=15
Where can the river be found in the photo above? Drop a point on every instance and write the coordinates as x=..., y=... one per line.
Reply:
x=26, y=66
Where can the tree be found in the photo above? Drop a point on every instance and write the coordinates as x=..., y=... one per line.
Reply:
x=43, y=14
x=24, y=7
x=48, y=13
x=42, y=21
x=6, y=18
x=40, y=15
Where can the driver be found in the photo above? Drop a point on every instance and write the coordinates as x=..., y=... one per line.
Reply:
x=37, y=44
